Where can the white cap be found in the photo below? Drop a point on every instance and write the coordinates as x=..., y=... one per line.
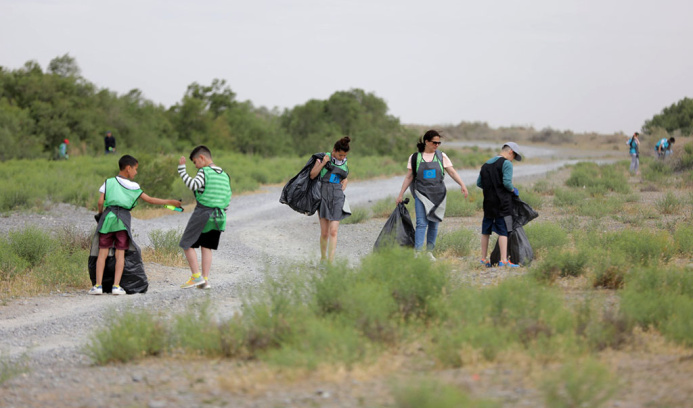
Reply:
x=516, y=149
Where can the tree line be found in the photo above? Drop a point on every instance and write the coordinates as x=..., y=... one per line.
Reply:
x=39, y=109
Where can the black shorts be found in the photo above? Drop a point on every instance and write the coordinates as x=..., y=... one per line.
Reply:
x=209, y=239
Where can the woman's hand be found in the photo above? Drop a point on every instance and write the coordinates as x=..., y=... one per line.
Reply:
x=464, y=191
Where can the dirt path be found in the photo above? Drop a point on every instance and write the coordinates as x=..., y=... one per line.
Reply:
x=50, y=331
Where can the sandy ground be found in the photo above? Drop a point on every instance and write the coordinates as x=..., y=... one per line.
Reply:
x=48, y=333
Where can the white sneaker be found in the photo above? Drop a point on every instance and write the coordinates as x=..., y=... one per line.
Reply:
x=117, y=290
x=430, y=256
x=96, y=290
x=205, y=285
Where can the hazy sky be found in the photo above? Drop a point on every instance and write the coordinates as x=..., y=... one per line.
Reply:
x=583, y=65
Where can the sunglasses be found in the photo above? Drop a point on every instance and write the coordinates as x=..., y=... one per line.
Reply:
x=436, y=143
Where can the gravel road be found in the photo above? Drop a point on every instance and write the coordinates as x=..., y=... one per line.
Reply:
x=48, y=332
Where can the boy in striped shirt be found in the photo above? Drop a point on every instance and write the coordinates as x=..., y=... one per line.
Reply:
x=212, y=189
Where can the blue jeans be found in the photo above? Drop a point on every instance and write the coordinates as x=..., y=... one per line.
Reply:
x=421, y=224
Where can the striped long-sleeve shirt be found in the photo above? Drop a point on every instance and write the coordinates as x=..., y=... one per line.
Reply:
x=197, y=183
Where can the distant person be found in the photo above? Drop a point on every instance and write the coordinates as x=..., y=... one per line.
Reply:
x=119, y=195
x=425, y=174
x=663, y=147
x=110, y=143
x=333, y=171
x=62, y=150
x=496, y=179
x=634, y=149
x=212, y=188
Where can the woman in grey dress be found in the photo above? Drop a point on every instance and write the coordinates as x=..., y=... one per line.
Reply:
x=332, y=170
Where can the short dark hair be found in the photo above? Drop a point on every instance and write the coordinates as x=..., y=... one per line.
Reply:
x=672, y=140
x=200, y=150
x=127, y=160
x=427, y=137
x=342, y=145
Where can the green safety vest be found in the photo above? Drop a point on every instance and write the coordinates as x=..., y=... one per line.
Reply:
x=343, y=167
x=438, y=156
x=117, y=196
x=217, y=194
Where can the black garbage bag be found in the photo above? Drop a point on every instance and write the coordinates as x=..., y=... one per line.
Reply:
x=519, y=249
x=134, y=279
x=398, y=229
x=302, y=193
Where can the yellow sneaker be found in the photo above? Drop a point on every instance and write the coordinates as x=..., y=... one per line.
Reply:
x=192, y=282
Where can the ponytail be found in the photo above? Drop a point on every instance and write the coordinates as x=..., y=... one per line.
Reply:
x=342, y=145
x=427, y=137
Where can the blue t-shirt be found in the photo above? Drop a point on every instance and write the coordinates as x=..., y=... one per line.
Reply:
x=633, y=146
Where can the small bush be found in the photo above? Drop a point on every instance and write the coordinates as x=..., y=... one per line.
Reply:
x=669, y=204
x=600, y=207
x=458, y=206
x=579, y=384
x=30, y=244
x=383, y=208
x=534, y=200
x=543, y=187
x=568, y=197
x=661, y=298
x=11, y=264
x=683, y=238
x=461, y=242
x=560, y=264
x=642, y=247
x=610, y=268
x=129, y=335
x=546, y=235
x=358, y=215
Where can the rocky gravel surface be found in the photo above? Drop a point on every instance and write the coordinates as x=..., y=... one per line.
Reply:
x=46, y=334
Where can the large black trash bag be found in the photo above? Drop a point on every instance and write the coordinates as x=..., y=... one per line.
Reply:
x=519, y=249
x=134, y=278
x=398, y=229
x=302, y=193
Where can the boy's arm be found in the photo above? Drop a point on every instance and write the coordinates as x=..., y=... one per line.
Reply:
x=508, y=176
x=192, y=183
x=159, y=201
x=101, y=201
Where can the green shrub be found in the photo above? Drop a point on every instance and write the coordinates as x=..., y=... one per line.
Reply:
x=383, y=208
x=358, y=215
x=516, y=313
x=412, y=282
x=579, y=384
x=600, y=207
x=63, y=269
x=543, y=187
x=661, y=298
x=560, y=264
x=129, y=335
x=683, y=239
x=534, y=200
x=546, y=235
x=568, y=197
x=11, y=264
x=602, y=328
x=166, y=242
x=458, y=206
x=461, y=242
x=641, y=247
x=31, y=244
x=669, y=204
x=598, y=180
x=423, y=393
x=609, y=267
